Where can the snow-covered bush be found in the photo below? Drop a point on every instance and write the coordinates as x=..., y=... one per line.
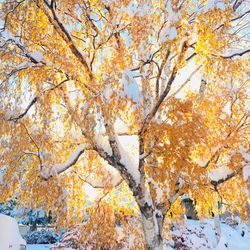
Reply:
x=10, y=208
x=42, y=237
x=196, y=235
x=71, y=238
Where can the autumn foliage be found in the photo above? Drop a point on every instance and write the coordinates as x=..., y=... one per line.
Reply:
x=136, y=102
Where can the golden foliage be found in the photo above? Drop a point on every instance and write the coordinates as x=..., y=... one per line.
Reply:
x=73, y=62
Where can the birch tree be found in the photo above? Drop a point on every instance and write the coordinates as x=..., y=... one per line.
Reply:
x=150, y=95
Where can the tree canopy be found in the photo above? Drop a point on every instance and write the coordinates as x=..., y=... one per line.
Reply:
x=143, y=101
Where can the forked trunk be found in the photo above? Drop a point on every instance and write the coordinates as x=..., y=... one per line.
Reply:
x=152, y=227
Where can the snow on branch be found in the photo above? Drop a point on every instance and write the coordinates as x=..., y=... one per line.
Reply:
x=47, y=172
x=61, y=30
x=34, y=100
x=236, y=53
x=127, y=147
x=166, y=91
x=227, y=177
x=7, y=37
x=15, y=119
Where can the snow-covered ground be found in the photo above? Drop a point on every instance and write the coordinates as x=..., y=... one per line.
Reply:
x=38, y=247
x=233, y=239
x=196, y=235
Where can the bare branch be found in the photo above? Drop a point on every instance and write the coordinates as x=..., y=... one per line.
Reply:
x=150, y=60
x=191, y=56
x=237, y=4
x=234, y=19
x=150, y=116
x=184, y=84
x=26, y=53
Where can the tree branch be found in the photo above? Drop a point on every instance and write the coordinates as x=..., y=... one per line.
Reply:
x=152, y=113
x=150, y=116
x=48, y=172
x=228, y=177
x=159, y=74
x=11, y=12
x=34, y=100
x=148, y=61
x=15, y=119
x=64, y=34
x=184, y=84
x=237, y=4
x=236, y=54
x=34, y=142
x=99, y=186
x=26, y=53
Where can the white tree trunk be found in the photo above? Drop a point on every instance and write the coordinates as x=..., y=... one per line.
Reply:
x=152, y=227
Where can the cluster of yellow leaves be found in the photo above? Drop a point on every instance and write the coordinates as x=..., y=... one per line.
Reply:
x=116, y=231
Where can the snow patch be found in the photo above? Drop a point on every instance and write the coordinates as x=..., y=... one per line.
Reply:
x=37, y=55
x=73, y=156
x=102, y=141
x=121, y=127
x=55, y=169
x=129, y=150
x=201, y=235
x=219, y=173
x=246, y=173
x=38, y=247
x=128, y=146
x=244, y=153
x=201, y=162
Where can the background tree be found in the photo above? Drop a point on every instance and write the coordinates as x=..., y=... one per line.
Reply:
x=96, y=92
x=25, y=216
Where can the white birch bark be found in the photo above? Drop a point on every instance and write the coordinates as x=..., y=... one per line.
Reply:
x=152, y=233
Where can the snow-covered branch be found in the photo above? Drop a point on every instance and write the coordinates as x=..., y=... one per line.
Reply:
x=33, y=101
x=15, y=119
x=229, y=176
x=47, y=172
x=167, y=89
x=54, y=20
x=6, y=37
x=236, y=53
